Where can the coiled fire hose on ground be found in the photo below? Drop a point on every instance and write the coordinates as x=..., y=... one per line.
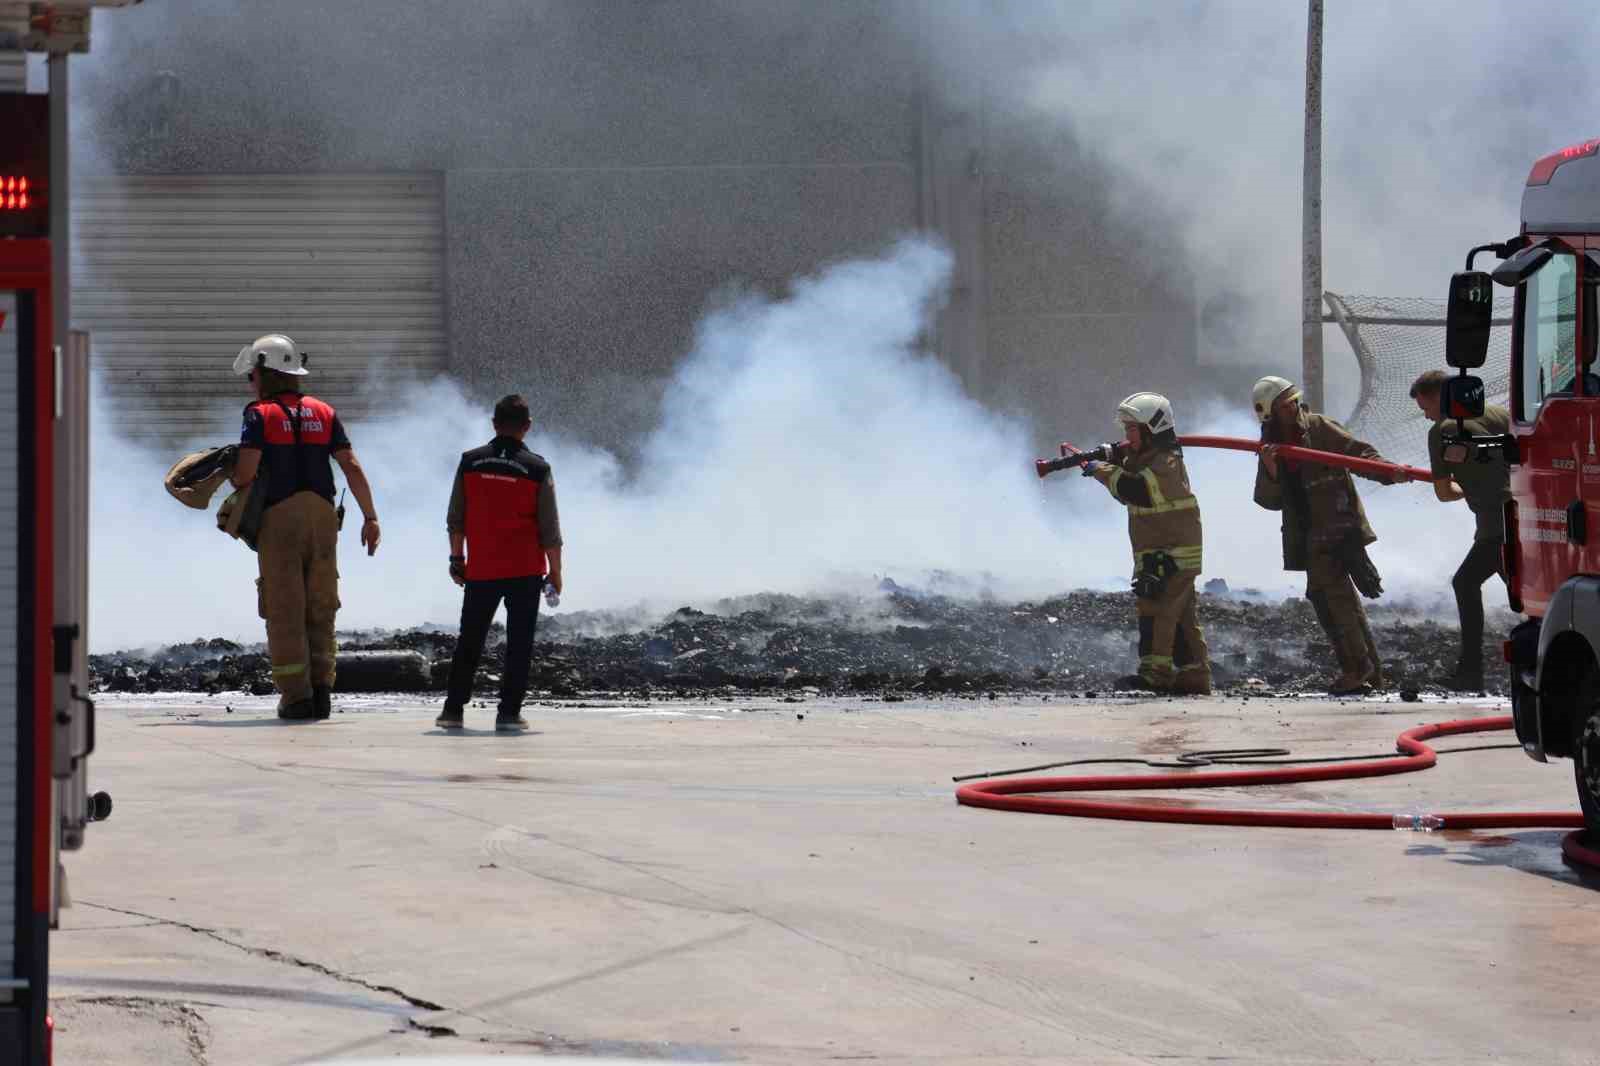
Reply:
x=1024, y=794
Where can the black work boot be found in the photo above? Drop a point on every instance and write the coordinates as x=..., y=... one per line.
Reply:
x=322, y=699
x=299, y=711
x=1463, y=679
x=510, y=722
x=449, y=718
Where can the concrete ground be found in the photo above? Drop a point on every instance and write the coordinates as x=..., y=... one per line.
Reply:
x=767, y=882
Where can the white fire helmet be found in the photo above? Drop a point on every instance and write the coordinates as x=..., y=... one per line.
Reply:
x=1148, y=409
x=1268, y=391
x=275, y=351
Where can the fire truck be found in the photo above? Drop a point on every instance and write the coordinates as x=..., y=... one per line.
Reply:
x=1551, y=555
x=46, y=716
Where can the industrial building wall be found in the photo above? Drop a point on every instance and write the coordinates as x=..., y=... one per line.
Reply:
x=172, y=275
x=609, y=168
x=583, y=287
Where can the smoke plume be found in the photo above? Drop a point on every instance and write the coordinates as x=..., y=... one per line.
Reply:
x=806, y=444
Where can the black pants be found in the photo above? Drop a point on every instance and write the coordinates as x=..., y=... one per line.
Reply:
x=1481, y=563
x=478, y=606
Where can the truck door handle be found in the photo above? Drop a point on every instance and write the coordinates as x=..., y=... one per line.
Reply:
x=1577, y=523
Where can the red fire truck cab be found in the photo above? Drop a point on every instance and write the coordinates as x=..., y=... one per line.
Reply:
x=1552, y=523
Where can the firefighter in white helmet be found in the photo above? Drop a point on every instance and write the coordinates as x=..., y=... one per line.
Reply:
x=288, y=444
x=1147, y=475
x=1325, y=528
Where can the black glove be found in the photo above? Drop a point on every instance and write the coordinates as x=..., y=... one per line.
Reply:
x=1363, y=574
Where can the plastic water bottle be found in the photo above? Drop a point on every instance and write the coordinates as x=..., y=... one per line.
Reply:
x=1420, y=823
x=551, y=597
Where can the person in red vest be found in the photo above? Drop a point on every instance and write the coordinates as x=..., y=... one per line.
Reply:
x=287, y=447
x=505, y=543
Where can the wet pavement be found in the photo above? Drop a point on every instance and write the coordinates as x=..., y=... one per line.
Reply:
x=743, y=879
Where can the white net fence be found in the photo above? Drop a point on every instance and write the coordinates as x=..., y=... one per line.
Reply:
x=1394, y=339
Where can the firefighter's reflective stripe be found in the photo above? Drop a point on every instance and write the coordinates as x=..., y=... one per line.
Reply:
x=289, y=670
x=1188, y=503
x=1151, y=482
x=1188, y=556
x=1171, y=521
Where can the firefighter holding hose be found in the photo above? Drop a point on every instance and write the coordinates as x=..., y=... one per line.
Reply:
x=1325, y=528
x=1484, y=481
x=1146, y=474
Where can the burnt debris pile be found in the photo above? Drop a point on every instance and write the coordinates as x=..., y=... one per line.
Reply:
x=894, y=641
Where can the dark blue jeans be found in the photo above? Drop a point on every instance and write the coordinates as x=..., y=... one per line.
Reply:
x=478, y=605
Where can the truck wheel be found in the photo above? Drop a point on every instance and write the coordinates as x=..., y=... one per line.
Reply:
x=1586, y=763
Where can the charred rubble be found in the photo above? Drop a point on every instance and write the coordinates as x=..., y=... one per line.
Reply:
x=894, y=642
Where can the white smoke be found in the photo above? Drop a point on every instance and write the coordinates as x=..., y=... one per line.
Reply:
x=1431, y=118
x=806, y=445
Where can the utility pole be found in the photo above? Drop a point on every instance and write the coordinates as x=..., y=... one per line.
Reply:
x=1311, y=217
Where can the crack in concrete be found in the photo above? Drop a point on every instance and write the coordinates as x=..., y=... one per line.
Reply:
x=431, y=1030
x=278, y=956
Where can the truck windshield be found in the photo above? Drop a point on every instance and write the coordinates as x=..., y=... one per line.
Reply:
x=1549, y=334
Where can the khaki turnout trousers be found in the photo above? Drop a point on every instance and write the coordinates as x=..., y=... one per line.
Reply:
x=1338, y=606
x=1172, y=650
x=298, y=592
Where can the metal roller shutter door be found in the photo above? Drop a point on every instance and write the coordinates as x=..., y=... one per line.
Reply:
x=173, y=274
x=10, y=612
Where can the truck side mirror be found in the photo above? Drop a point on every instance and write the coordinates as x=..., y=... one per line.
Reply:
x=1461, y=397
x=1467, y=319
x=1523, y=265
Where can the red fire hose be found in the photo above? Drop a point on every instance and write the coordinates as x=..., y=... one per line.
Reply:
x=1310, y=455
x=1021, y=794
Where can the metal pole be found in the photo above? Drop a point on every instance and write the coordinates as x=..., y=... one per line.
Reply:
x=60, y=233
x=1311, y=217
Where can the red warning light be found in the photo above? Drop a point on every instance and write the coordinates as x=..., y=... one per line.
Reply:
x=14, y=193
x=24, y=163
x=1544, y=168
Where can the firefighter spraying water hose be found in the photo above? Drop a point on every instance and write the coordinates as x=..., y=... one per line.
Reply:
x=1304, y=465
x=1145, y=473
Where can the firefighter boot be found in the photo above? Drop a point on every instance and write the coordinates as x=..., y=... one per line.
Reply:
x=321, y=700
x=1141, y=683
x=1354, y=666
x=1193, y=681
x=298, y=710
x=1375, y=678
x=1463, y=679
